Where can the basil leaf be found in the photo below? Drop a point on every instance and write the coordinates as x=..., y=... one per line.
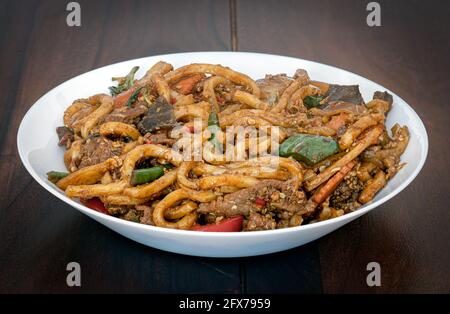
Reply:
x=312, y=101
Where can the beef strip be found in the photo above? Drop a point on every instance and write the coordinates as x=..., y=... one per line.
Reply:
x=344, y=93
x=346, y=194
x=257, y=222
x=272, y=86
x=97, y=149
x=117, y=210
x=159, y=116
x=65, y=136
x=132, y=215
x=302, y=76
x=126, y=114
x=147, y=214
x=161, y=137
x=384, y=96
x=277, y=196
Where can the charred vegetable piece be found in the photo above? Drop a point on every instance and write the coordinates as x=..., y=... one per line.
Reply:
x=125, y=83
x=55, y=176
x=312, y=101
x=142, y=176
x=309, y=149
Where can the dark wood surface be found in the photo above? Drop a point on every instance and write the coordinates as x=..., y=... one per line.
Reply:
x=408, y=54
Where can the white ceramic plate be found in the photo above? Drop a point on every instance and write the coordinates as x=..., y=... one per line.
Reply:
x=38, y=149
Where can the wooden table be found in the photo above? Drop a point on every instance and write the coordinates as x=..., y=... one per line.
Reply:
x=409, y=54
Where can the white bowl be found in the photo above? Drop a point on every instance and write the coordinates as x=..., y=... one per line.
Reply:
x=38, y=149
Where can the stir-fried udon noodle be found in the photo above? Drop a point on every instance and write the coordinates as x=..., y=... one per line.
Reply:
x=159, y=151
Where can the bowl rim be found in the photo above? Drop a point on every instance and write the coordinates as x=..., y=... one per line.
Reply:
x=152, y=229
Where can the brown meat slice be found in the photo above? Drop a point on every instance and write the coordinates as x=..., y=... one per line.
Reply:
x=345, y=106
x=258, y=222
x=344, y=93
x=159, y=116
x=384, y=96
x=272, y=86
x=126, y=114
x=65, y=136
x=377, y=106
x=161, y=138
x=268, y=195
x=302, y=76
x=346, y=194
x=97, y=149
x=147, y=214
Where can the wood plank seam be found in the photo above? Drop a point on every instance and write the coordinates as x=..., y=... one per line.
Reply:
x=233, y=26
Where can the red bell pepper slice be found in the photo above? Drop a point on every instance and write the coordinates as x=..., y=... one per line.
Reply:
x=260, y=202
x=121, y=99
x=95, y=204
x=233, y=224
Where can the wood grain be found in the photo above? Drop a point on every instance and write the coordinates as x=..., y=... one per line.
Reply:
x=409, y=55
x=40, y=234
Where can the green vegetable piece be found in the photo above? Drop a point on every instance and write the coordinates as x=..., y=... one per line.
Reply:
x=142, y=176
x=214, y=127
x=146, y=94
x=125, y=83
x=213, y=119
x=55, y=176
x=312, y=101
x=309, y=149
